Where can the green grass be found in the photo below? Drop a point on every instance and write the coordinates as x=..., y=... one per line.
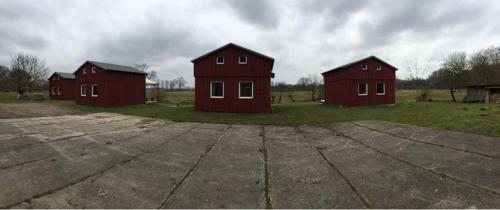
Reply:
x=472, y=118
x=10, y=97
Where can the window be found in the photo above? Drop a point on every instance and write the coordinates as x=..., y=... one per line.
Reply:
x=217, y=90
x=380, y=89
x=58, y=91
x=220, y=59
x=93, y=69
x=246, y=90
x=94, y=90
x=362, y=89
x=53, y=91
x=83, y=90
x=84, y=71
x=364, y=67
x=58, y=78
x=379, y=67
x=242, y=59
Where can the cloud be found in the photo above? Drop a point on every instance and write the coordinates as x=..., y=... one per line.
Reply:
x=258, y=12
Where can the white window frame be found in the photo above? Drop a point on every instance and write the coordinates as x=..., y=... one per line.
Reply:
x=383, y=85
x=366, y=94
x=92, y=90
x=53, y=91
x=58, y=91
x=83, y=87
x=239, y=59
x=217, y=60
x=212, y=96
x=84, y=71
x=379, y=68
x=93, y=69
x=364, y=67
x=239, y=90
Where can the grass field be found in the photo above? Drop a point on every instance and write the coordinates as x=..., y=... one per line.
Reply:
x=473, y=118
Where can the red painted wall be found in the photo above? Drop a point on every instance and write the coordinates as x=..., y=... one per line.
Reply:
x=66, y=86
x=341, y=87
x=258, y=70
x=115, y=88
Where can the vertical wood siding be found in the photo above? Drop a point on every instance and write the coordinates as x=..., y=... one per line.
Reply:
x=115, y=88
x=67, y=87
x=341, y=87
x=258, y=70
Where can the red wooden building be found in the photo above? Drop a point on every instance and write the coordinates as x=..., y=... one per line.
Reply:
x=62, y=86
x=233, y=79
x=369, y=81
x=106, y=85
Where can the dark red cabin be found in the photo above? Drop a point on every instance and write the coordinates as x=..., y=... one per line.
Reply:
x=369, y=81
x=106, y=85
x=233, y=79
x=62, y=86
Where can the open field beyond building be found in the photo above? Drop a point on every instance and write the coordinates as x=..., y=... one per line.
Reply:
x=107, y=160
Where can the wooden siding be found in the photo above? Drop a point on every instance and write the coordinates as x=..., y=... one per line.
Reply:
x=115, y=88
x=341, y=87
x=67, y=87
x=258, y=70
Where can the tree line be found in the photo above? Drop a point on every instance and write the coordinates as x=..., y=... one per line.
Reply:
x=458, y=70
x=178, y=83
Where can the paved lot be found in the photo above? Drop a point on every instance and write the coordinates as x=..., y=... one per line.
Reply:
x=115, y=161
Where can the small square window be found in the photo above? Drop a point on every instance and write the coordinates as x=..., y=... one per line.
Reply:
x=216, y=90
x=242, y=59
x=94, y=90
x=380, y=89
x=379, y=67
x=93, y=69
x=220, y=59
x=364, y=67
x=246, y=90
x=84, y=71
x=362, y=89
x=83, y=90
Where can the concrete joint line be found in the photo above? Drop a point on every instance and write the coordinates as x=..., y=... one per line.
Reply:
x=100, y=173
x=266, y=169
x=364, y=201
x=193, y=168
x=431, y=171
x=428, y=143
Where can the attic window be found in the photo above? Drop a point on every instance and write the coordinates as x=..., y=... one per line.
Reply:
x=364, y=67
x=93, y=69
x=84, y=71
x=379, y=67
x=242, y=59
x=220, y=60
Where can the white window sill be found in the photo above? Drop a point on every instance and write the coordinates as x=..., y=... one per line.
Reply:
x=362, y=94
x=217, y=97
x=381, y=94
x=243, y=63
x=220, y=63
x=83, y=95
x=95, y=96
x=245, y=97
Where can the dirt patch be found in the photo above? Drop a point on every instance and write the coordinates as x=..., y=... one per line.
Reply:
x=21, y=110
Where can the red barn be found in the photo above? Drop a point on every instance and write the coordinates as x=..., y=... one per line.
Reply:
x=233, y=79
x=369, y=81
x=106, y=85
x=62, y=86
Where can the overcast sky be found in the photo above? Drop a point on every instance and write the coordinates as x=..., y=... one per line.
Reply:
x=303, y=36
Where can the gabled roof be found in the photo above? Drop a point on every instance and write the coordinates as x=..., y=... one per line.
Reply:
x=115, y=67
x=357, y=62
x=64, y=75
x=236, y=46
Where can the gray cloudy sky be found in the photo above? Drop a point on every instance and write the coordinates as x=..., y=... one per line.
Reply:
x=303, y=36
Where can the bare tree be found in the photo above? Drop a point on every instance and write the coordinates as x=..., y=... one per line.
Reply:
x=152, y=75
x=28, y=72
x=172, y=84
x=4, y=78
x=181, y=82
x=485, y=66
x=314, y=81
x=454, y=71
x=304, y=81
